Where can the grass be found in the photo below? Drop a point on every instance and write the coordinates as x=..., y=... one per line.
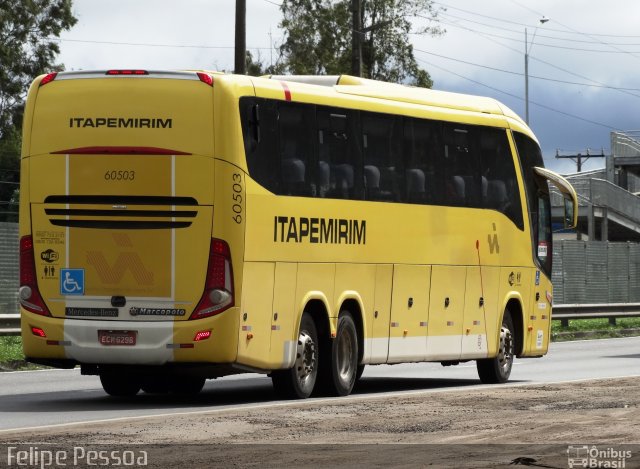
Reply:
x=594, y=329
x=11, y=356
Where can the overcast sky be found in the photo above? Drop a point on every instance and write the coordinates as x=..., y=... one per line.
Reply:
x=584, y=63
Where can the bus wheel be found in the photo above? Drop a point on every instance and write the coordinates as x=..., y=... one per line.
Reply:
x=119, y=384
x=298, y=382
x=498, y=369
x=359, y=372
x=344, y=357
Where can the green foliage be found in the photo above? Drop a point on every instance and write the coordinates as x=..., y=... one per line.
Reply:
x=255, y=67
x=10, y=348
x=594, y=329
x=26, y=51
x=9, y=173
x=318, y=38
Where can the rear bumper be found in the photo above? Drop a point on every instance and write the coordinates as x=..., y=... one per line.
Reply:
x=153, y=346
x=75, y=341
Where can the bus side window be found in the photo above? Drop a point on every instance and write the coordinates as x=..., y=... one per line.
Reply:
x=338, y=153
x=462, y=168
x=498, y=170
x=296, y=150
x=259, y=128
x=421, y=154
x=383, y=173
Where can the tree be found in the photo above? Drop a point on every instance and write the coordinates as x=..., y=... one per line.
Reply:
x=26, y=47
x=318, y=38
x=26, y=51
x=256, y=67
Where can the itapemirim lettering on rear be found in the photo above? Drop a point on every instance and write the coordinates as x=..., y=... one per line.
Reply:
x=121, y=122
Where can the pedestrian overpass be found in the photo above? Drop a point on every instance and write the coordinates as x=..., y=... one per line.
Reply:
x=608, y=198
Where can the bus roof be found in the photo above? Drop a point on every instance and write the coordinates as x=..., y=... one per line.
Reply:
x=356, y=86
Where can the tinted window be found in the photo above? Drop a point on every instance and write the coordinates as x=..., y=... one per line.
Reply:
x=538, y=203
x=296, y=150
x=320, y=151
x=423, y=153
x=383, y=165
x=499, y=184
x=339, y=154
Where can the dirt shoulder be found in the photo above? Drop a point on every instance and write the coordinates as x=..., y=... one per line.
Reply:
x=605, y=410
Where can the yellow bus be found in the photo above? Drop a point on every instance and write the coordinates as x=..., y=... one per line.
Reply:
x=182, y=226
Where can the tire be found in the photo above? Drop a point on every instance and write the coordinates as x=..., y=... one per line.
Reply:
x=298, y=382
x=359, y=372
x=343, y=368
x=119, y=384
x=498, y=369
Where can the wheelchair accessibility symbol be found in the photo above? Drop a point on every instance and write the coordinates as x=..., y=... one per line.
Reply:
x=72, y=281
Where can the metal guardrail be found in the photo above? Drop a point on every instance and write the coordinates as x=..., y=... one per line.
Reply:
x=624, y=144
x=10, y=323
x=590, y=311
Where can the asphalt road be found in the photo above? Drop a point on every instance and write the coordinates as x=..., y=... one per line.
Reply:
x=55, y=397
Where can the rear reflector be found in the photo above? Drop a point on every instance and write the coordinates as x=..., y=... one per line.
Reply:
x=202, y=335
x=48, y=78
x=126, y=72
x=64, y=343
x=38, y=332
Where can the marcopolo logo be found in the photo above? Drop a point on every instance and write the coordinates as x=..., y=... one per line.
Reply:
x=597, y=457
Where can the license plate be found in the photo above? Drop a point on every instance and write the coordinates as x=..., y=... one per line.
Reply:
x=127, y=338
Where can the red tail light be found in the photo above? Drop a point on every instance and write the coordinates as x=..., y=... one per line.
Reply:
x=126, y=72
x=29, y=295
x=218, y=291
x=205, y=78
x=48, y=78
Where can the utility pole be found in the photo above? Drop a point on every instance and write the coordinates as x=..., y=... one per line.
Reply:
x=356, y=39
x=526, y=78
x=241, y=39
x=527, y=49
x=579, y=158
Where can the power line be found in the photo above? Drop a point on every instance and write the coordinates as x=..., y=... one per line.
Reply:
x=511, y=72
x=146, y=44
x=573, y=116
x=543, y=44
x=528, y=25
x=552, y=65
x=632, y=54
x=519, y=32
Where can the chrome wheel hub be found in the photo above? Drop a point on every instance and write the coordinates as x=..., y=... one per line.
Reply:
x=306, y=357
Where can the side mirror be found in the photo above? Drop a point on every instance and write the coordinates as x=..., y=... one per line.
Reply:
x=568, y=194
